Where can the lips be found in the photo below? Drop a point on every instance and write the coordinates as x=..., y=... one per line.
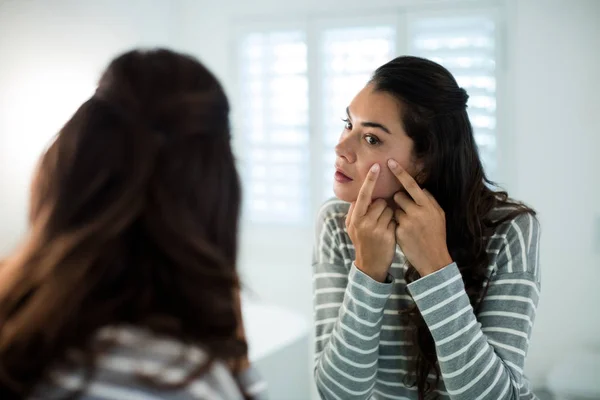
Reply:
x=341, y=177
x=339, y=171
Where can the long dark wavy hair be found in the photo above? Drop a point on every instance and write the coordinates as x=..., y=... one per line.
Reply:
x=134, y=221
x=434, y=116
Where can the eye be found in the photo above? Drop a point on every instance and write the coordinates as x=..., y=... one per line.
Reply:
x=347, y=124
x=372, y=140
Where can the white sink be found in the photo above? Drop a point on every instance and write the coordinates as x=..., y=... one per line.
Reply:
x=270, y=328
x=278, y=341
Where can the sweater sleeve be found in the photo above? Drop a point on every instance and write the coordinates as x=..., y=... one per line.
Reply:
x=348, y=308
x=482, y=356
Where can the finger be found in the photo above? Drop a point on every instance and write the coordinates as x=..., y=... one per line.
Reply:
x=408, y=182
x=366, y=191
x=404, y=201
x=376, y=209
x=399, y=215
x=392, y=225
x=386, y=216
x=349, y=215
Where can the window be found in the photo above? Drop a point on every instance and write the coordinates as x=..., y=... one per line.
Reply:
x=349, y=57
x=274, y=126
x=466, y=46
x=288, y=144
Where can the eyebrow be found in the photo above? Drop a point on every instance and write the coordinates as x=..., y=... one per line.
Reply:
x=369, y=124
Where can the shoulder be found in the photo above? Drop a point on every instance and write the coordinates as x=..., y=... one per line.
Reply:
x=333, y=208
x=524, y=223
x=176, y=358
x=332, y=215
x=132, y=350
x=330, y=232
x=516, y=241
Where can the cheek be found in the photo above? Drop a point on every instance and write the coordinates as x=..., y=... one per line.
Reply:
x=387, y=185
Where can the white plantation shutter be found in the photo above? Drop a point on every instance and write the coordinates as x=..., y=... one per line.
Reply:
x=466, y=46
x=287, y=150
x=349, y=56
x=274, y=127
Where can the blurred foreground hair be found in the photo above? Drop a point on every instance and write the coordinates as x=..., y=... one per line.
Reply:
x=134, y=218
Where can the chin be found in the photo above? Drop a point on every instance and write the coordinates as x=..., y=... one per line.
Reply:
x=345, y=194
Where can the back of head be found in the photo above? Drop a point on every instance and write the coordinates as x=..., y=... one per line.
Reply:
x=133, y=221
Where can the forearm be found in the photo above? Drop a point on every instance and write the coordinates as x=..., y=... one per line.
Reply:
x=347, y=342
x=475, y=361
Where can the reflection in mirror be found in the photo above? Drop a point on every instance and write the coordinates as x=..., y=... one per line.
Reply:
x=326, y=313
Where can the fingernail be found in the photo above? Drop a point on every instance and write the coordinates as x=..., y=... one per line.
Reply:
x=375, y=168
x=393, y=164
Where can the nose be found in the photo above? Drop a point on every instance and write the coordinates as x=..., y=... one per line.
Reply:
x=344, y=149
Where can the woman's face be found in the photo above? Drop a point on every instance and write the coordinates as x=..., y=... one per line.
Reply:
x=373, y=134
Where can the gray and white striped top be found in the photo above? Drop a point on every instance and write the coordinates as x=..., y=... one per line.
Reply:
x=362, y=351
x=138, y=351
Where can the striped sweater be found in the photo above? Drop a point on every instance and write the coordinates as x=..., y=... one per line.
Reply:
x=362, y=350
x=138, y=352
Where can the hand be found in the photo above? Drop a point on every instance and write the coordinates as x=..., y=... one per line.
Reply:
x=421, y=229
x=371, y=229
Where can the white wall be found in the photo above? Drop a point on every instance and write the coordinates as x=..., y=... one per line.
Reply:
x=553, y=84
x=51, y=55
x=555, y=63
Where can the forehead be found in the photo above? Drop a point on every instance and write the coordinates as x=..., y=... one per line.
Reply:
x=375, y=106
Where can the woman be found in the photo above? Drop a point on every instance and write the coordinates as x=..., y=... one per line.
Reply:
x=426, y=279
x=126, y=286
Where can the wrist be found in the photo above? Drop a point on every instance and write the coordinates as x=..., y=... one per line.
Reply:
x=376, y=274
x=436, y=264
